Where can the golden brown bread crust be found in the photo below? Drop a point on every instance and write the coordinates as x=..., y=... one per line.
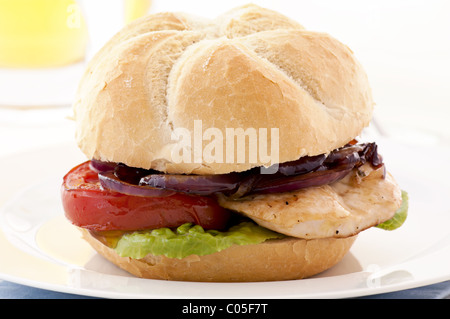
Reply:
x=249, y=68
x=273, y=260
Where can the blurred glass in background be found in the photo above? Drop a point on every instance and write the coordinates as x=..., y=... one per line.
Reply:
x=135, y=9
x=44, y=45
x=41, y=33
x=402, y=44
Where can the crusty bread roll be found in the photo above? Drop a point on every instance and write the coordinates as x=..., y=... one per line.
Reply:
x=279, y=259
x=249, y=68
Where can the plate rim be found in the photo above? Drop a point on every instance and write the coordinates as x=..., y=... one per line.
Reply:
x=360, y=292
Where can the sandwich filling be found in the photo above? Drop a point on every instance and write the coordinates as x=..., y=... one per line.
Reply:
x=138, y=211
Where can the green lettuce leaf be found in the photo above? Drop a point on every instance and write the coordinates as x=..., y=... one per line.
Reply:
x=189, y=239
x=399, y=217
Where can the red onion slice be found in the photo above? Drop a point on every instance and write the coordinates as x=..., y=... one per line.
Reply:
x=131, y=175
x=101, y=166
x=301, y=166
x=245, y=186
x=292, y=183
x=194, y=184
x=370, y=153
x=110, y=181
x=344, y=156
x=305, y=172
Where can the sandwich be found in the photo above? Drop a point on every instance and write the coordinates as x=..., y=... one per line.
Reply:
x=226, y=150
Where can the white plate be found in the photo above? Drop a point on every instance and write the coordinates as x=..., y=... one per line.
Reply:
x=41, y=249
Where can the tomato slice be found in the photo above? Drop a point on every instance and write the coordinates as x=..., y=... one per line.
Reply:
x=88, y=205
